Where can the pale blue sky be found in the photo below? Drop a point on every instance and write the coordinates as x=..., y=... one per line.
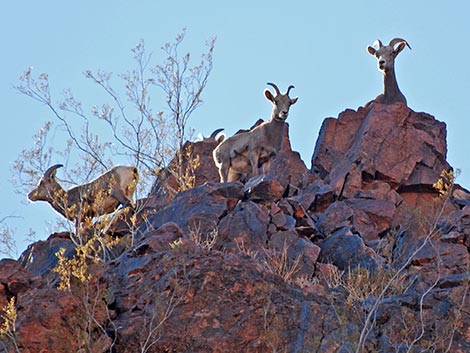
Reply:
x=320, y=47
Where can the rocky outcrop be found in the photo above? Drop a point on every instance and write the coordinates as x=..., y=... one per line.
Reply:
x=40, y=258
x=368, y=252
x=388, y=143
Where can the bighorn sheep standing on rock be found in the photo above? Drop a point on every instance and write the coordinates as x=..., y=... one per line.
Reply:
x=386, y=55
x=98, y=197
x=246, y=152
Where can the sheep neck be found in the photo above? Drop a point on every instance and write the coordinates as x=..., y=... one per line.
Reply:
x=275, y=131
x=59, y=202
x=391, y=91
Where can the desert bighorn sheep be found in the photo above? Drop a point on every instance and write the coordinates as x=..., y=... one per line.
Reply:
x=98, y=197
x=246, y=152
x=386, y=55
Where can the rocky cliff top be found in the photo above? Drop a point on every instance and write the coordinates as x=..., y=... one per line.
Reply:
x=366, y=251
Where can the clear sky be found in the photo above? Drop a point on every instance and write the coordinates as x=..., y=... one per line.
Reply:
x=318, y=46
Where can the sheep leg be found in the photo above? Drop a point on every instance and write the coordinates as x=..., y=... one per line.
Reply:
x=233, y=175
x=123, y=199
x=266, y=166
x=224, y=171
x=254, y=160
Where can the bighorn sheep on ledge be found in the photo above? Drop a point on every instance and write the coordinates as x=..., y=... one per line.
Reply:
x=246, y=152
x=386, y=55
x=98, y=197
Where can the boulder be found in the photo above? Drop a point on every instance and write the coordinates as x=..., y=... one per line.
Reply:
x=246, y=227
x=263, y=188
x=197, y=208
x=40, y=257
x=390, y=143
x=288, y=168
x=15, y=279
x=346, y=250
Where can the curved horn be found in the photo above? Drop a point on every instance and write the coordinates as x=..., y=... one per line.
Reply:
x=395, y=41
x=379, y=43
x=275, y=87
x=214, y=134
x=288, y=89
x=51, y=170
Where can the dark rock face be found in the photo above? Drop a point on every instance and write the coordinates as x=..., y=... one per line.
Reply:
x=198, y=207
x=363, y=245
x=347, y=251
x=39, y=257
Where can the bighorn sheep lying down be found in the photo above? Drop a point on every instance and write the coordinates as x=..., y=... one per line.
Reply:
x=98, y=197
x=386, y=55
x=246, y=152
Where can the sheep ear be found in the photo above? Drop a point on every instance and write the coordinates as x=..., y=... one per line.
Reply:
x=371, y=50
x=269, y=95
x=294, y=100
x=400, y=47
x=220, y=139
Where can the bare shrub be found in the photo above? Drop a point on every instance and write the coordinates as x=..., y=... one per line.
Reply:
x=131, y=128
x=161, y=310
x=205, y=240
x=7, y=240
x=8, y=326
x=245, y=250
x=362, y=284
x=279, y=263
x=331, y=275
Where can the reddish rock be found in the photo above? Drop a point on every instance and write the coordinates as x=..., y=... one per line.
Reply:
x=15, y=279
x=56, y=321
x=288, y=168
x=281, y=219
x=263, y=188
x=197, y=159
x=160, y=239
x=441, y=257
x=371, y=217
x=338, y=215
x=187, y=282
x=297, y=250
x=304, y=223
x=335, y=139
x=246, y=226
x=379, y=190
x=388, y=142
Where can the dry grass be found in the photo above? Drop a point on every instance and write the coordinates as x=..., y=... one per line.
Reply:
x=278, y=262
x=203, y=239
x=8, y=327
x=362, y=284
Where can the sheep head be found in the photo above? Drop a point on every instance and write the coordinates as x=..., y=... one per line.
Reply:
x=386, y=54
x=281, y=102
x=47, y=187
